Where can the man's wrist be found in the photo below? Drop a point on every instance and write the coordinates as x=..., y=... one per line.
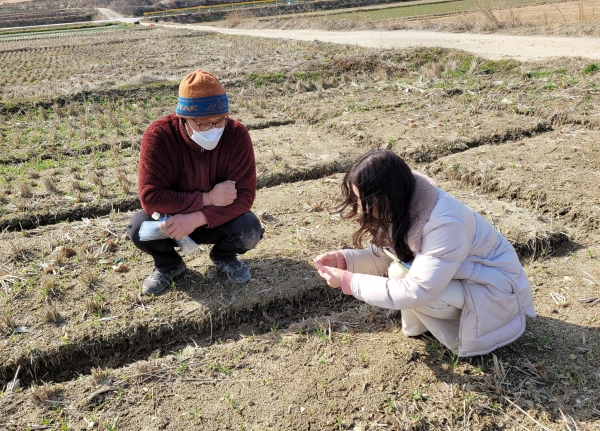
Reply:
x=206, y=199
x=201, y=219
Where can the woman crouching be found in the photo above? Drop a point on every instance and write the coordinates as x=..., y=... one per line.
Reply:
x=463, y=281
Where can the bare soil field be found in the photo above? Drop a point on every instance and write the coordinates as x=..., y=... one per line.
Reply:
x=80, y=348
x=31, y=13
x=539, y=172
x=45, y=18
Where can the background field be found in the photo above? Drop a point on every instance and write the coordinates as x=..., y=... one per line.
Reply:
x=516, y=141
x=565, y=18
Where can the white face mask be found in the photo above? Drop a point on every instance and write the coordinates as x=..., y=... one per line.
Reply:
x=209, y=139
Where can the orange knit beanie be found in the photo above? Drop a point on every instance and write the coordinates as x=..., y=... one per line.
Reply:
x=201, y=95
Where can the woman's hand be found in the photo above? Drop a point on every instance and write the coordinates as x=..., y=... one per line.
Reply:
x=180, y=225
x=334, y=278
x=331, y=273
x=328, y=259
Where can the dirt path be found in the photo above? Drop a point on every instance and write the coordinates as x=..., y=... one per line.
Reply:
x=492, y=46
x=110, y=14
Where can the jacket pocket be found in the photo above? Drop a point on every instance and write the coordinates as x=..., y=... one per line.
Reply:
x=493, y=307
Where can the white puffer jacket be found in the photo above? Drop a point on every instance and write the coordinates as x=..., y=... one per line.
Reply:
x=451, y=242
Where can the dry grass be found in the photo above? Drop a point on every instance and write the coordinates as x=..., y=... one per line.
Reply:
x=45, y=394
x=130, y=116
x=432, y=70
x=96, y=179
x=50, y=315
x=126, y=187
x=113, y=120
x=115, y=148
x=143, y=371
x=103, y=192
x=42, y=113
x=237, y=17
x=17, y=138
x=100, y=122
x=49, y=185
x=58, y=112
x=67, y=252
x=111, y=245
x=88, y=277
x=57, y=258
x=101, y=376
x=91, y=306
x=7, y=323
x=72, y=109
x=133, y=298
x=18, y=251
x=25, y=190
x=49, y=285
x=76, y=185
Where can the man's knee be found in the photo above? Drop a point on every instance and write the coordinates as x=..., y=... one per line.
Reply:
x=249, y=229
x=133, y=228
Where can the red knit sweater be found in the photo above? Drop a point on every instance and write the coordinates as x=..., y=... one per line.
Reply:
x=174, y=171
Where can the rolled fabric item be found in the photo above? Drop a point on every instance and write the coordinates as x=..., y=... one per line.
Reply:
x=397, y=269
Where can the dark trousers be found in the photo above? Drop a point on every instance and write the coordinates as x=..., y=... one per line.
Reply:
x=230, y=239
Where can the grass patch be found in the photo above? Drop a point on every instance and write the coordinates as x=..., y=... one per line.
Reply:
x=260, y=79
x=314, y=75
x=405, y=11
x=60, y=28
x=498, y=66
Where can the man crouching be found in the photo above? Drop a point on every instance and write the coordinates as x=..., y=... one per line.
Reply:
x=197, y=166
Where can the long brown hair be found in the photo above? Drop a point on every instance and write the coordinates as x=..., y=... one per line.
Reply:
x=386, y=185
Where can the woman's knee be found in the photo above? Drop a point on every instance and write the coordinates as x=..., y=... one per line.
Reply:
x=448, y=305
x=454, y=294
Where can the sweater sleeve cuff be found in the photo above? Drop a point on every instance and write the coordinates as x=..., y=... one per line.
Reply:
x=347, y=282
x=341, y=260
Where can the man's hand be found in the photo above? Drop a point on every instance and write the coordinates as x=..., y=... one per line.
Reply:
x=181, y=225
x=221, y=195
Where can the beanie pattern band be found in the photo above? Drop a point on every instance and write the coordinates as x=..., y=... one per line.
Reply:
x=202, y=106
